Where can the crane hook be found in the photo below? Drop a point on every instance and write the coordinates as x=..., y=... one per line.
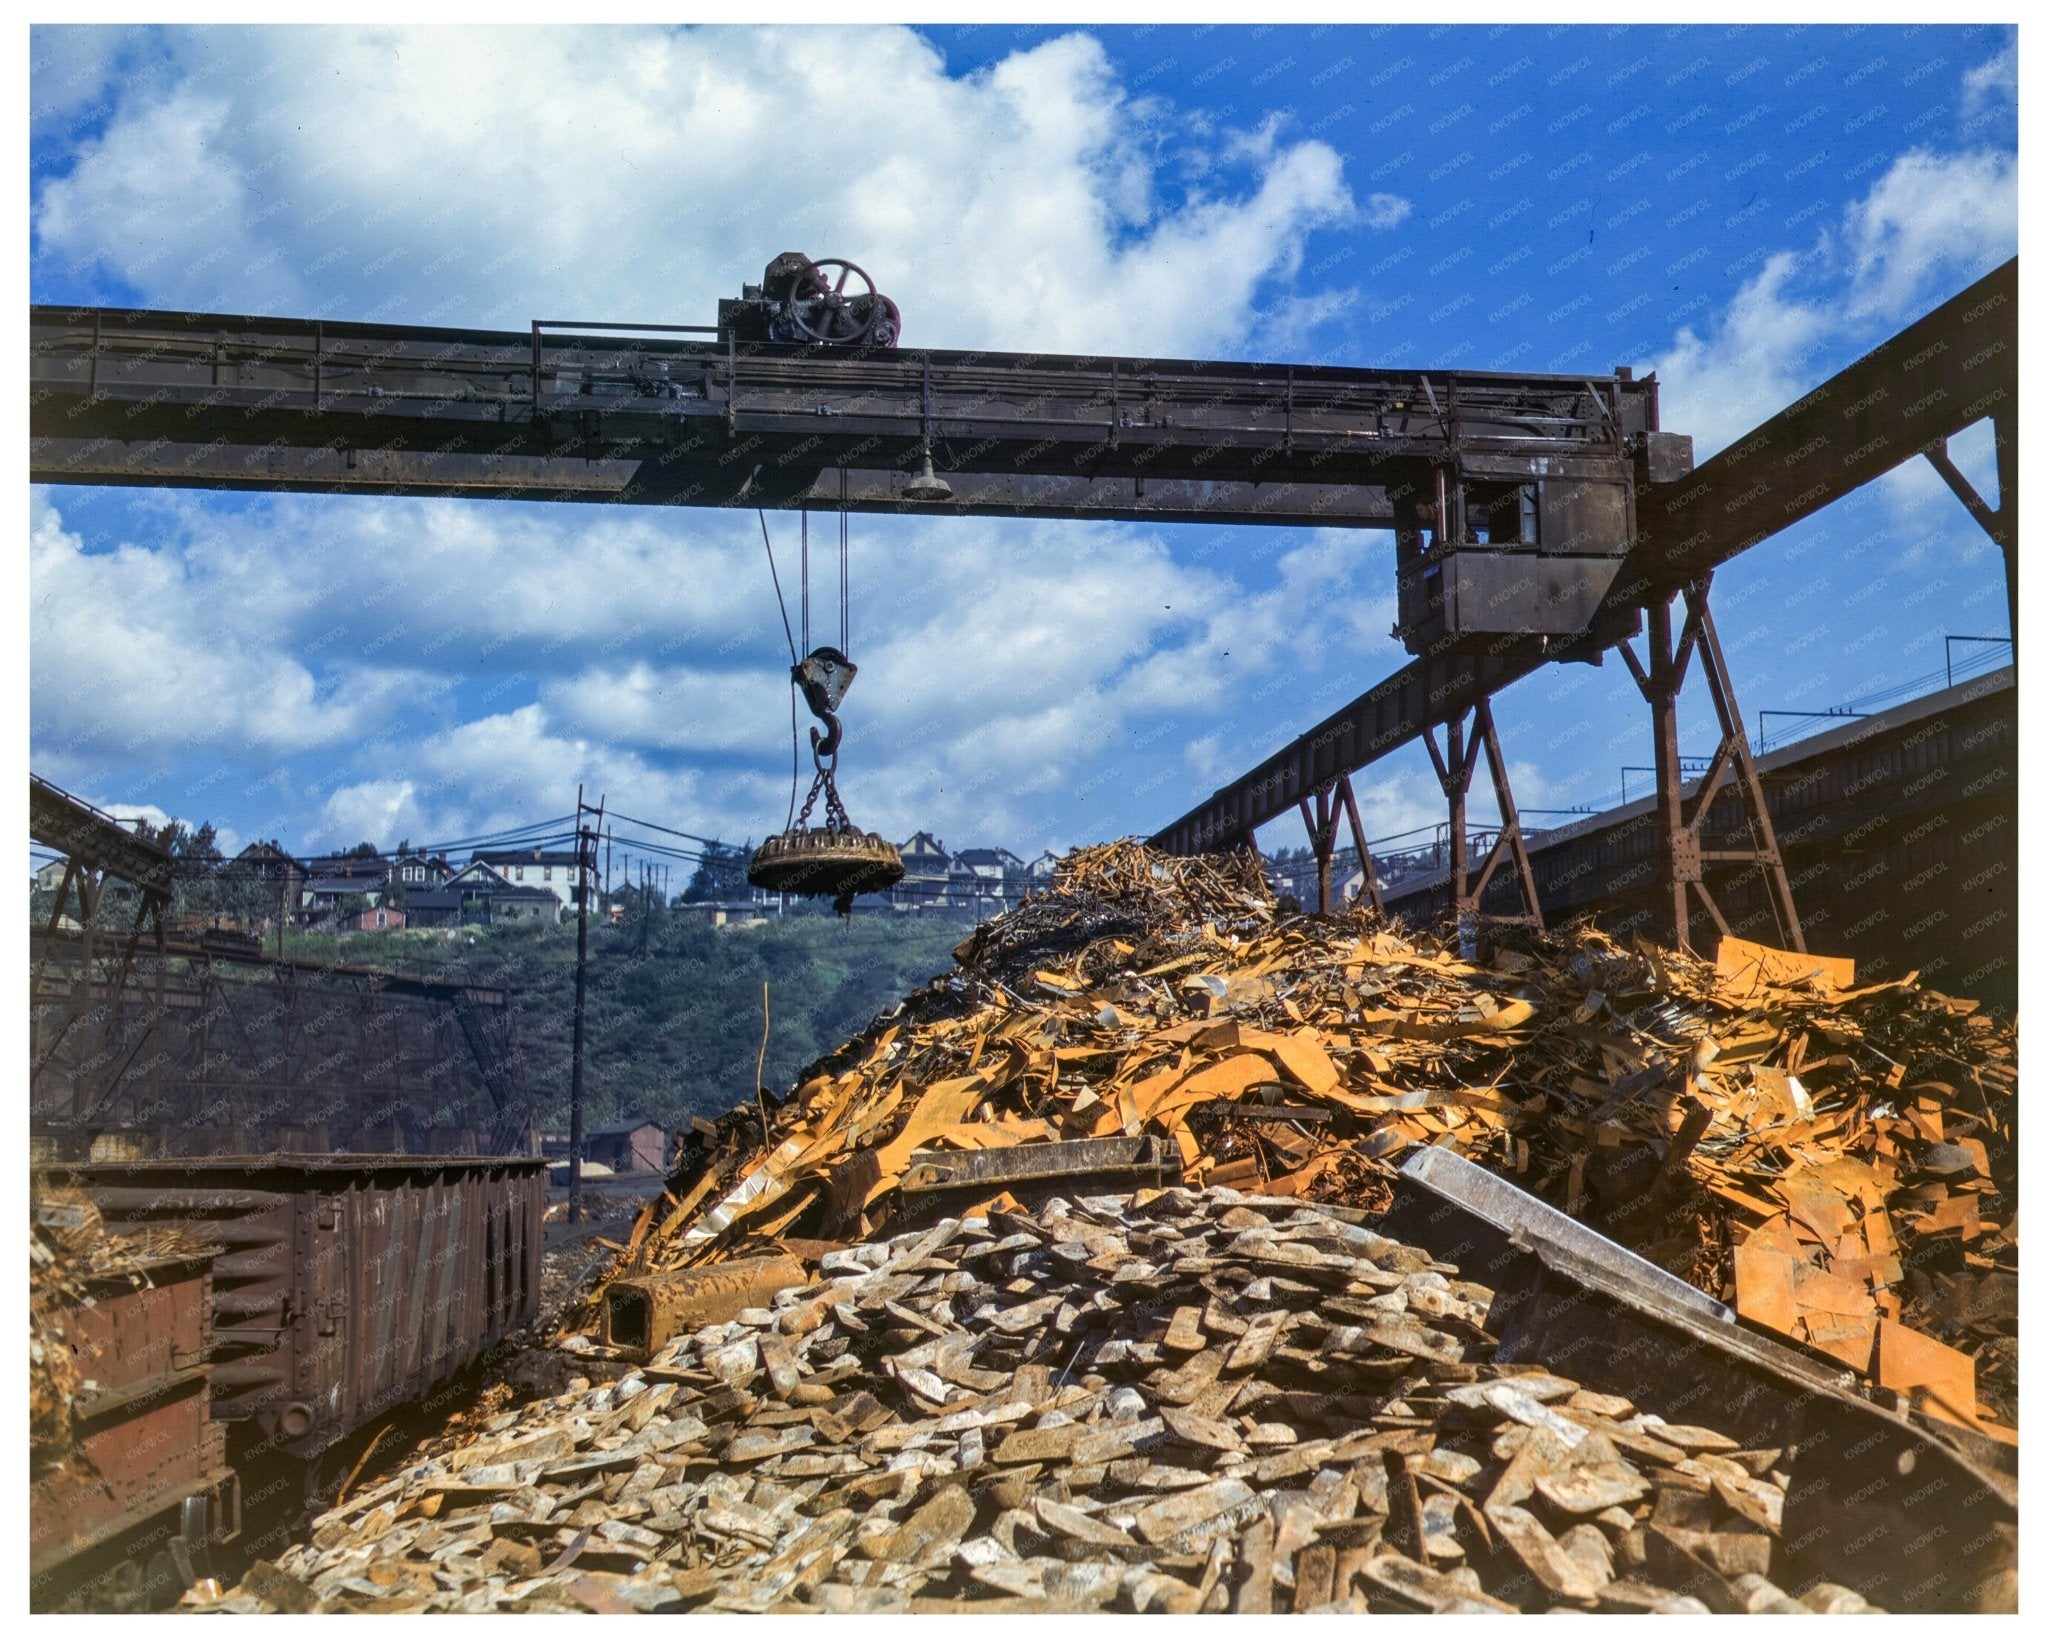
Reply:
x=824, y=676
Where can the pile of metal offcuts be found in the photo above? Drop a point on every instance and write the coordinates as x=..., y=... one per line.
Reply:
x=1172, y=1401
x=1835, y=1162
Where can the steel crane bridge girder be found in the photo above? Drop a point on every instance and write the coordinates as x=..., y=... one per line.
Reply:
x=194, y=399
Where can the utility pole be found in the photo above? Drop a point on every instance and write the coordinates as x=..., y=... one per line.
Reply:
x=586, y=852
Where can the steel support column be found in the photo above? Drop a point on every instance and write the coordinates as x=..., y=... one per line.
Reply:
x=1371, y=885
x=1331, y=804
x=1510, y=834
x=1685, y=854
x=1454, y=776
x=1454, y=769
x=1322, y=842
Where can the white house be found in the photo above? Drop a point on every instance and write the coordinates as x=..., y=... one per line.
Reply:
x=533, y=867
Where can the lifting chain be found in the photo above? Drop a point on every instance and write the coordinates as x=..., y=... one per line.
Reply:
x=835, y=812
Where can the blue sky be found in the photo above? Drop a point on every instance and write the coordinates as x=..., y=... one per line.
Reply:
x=1743, y=209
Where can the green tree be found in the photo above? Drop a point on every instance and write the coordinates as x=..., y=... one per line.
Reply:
x=202, y=883
x=721, y=874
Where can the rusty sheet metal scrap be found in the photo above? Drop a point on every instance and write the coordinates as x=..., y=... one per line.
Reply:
x=1835, y=1161
x=1180, y=1401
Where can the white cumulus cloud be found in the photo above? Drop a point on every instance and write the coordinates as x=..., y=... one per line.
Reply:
x=1929, y=226
x=1387, y=210
x=488, y=175
x=1930, y=218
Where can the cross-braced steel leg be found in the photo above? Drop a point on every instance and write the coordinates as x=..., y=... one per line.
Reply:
x=1371, y=884
x=1332, y=803
x=1454, y=769
x=1685, y=856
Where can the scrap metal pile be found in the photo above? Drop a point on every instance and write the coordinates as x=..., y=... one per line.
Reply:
x=1838, y=1162
x=1173, y=1401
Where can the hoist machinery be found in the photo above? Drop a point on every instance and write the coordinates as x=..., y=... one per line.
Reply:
x=802, y=303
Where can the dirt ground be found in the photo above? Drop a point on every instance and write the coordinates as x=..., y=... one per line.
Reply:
x=569, y=1259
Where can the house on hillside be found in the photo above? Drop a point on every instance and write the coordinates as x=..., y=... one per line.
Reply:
x=417, y=870
x=476, y=874
x=330, y=900
x=988, y=864
x=533, y=867
x=50, y=877
x=350, y=867
x=509, y=905
x=282, y=876
x=481, y=895
x=983, y=880
x=1040, y=870
x=924, y=855
x=926, y=865
x=984, y=873
x=439, y=907
x=383, y=919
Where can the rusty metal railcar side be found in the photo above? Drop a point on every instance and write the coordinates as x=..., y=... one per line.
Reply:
x=146, y=1480
x=346, y=1284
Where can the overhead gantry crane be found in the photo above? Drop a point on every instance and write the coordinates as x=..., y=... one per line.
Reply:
x=1536, y=517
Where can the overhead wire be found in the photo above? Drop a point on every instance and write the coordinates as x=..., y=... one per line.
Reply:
x=641, y=845
x=667, y=830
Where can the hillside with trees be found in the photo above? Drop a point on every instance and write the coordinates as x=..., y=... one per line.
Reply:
x=673, y=1007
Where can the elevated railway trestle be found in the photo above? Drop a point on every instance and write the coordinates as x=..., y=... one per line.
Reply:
x=77, y=983
x=141, y=1040
x=1536, y=517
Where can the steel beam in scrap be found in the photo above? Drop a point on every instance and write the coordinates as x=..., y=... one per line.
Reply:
x=95, y=840
x=204, y=400
x=1928, y=382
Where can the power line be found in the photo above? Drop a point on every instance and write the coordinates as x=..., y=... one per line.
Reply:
x=667, y=830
